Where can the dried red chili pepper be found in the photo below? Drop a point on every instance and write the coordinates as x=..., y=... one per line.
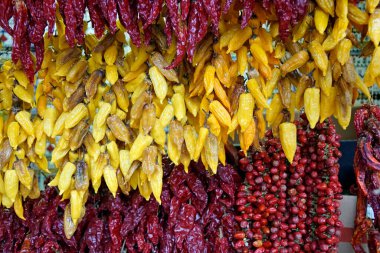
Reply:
x=168, y=29
x=40, y=50
x=147, y=35
x=227, y=6
x=359, y=233
x=37, y=22
x=374, y=241
x=154, y=13
x=213, y=9
x=193, y=26
x=375, y=110
x=20, y=29
x=79, y=8
x=365, y=148
x=97, y=19
x=360, y=174
x=153, y=229
x=202, y=20
x=49, y=12
x=247, y=12
x=180, y=30
x=128, y=18
x=184, y=224
x=144, y=9
x=6, y=12
x=108, y=14
x=70, y=22
x=359, y=118
x=173, y=14
x=185, y=5
x=94, y=235
x=112, y=15
x=114, y=225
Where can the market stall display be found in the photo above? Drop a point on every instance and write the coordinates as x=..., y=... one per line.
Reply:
x=170, y=83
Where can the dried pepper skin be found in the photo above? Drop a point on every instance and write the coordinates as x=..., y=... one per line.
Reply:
x=154, y=13
x=180, y=30
x=37, y=23
x=247, y=12
x=112, y=15
x=202, y=17
x=26, y=60
x=213, y=9
x=6, y=12
x=20, y=29
x=289, y=13
x=168, y=29
x=49, y=12
x=96, y=18
x=366, y=167
x=184, y=225
x=70, y=22
x=193, y=29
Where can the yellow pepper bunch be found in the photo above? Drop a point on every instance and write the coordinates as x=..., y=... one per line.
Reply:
x=21, y=147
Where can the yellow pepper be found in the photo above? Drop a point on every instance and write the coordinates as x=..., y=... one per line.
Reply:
x=156, y=183
x=245, y=110
x=288, y=139
x=220, y=113
x=312, y=105
x=19, y=210
x=23, y=174
x=275, y=108
x=66, y=177
x=109, y=174
x=175, y=141
x=179, y=106
x=202, y=135
x=327, y=104
x=255, y=90
x=160, y=85
x=23, y=118
x=296, y=61
x=319, y=55
x=138, y=146
x=208, y=79
x=11, y=184
x=211, y=152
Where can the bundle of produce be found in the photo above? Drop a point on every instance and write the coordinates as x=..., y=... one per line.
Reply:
x=291, y=207
x=367, y=166
x=105, y=110
x=196, y=215
x=187, y=20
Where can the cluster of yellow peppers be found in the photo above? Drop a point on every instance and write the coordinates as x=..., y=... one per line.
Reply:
x=20, y=145
x=112, y=110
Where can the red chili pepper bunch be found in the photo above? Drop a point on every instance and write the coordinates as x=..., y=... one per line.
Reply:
x=43, y=227
x=196, y=215
x=197, y=212
x=294, y=207
x=367, y=172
